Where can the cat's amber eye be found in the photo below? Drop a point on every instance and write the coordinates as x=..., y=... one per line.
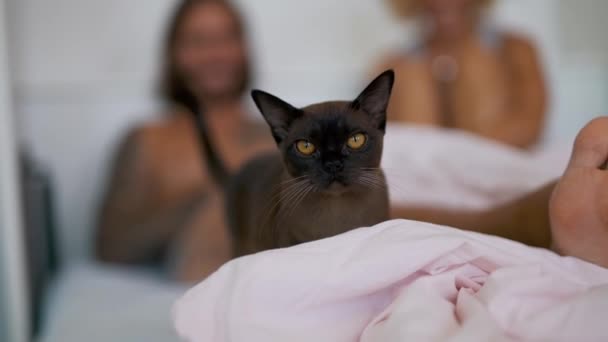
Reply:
x=356, y=141
x=305, y=147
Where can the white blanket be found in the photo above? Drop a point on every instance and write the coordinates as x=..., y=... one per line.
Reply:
x=453, y=169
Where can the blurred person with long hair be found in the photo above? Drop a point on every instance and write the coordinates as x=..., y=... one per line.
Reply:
x=465, y=74
x=163, y=204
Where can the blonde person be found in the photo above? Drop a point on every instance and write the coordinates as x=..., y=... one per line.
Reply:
x=463, y=73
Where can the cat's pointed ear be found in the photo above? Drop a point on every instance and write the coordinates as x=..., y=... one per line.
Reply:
x=375, y=98
x=278, y=113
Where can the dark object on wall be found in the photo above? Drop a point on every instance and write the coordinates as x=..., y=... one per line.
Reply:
x=40, y=240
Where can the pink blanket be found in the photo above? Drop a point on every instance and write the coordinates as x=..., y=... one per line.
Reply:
x=400, y=281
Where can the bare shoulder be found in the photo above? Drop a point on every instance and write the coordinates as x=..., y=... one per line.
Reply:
x=141, y=142
x=390, y=61
x=169, y=125
x=257, y=131
x=396, y=61
x=133, y=153
x=519, y=45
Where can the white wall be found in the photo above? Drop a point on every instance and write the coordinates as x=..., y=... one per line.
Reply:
x=85, y=70
x=577, y=79
x=13, y=302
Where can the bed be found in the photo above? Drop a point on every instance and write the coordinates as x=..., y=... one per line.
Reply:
x=91, y=302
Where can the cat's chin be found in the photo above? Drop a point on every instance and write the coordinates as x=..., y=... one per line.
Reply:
x=336, y=189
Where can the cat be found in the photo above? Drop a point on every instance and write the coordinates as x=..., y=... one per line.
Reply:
x=326, y=178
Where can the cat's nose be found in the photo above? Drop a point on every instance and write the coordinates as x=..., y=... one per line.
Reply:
x=334, y=167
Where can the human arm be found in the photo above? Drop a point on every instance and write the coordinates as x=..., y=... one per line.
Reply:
x=525, y=219
x=134, y=224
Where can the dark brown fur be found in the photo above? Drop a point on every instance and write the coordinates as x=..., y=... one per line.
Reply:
x=286, y=198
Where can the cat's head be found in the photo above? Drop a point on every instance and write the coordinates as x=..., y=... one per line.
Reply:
x=334, y=145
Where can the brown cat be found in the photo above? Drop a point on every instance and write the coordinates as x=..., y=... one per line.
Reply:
x=326, y=178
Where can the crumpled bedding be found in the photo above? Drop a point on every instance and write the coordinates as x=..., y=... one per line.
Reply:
x=430, y=167
x=399, y=281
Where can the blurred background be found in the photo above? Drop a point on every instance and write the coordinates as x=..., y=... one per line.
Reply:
x=81, y=73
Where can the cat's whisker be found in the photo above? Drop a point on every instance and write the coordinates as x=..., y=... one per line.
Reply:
x=372, y=175
x=298, y=200
x=372, y=179
x=300, y=197
x=292, y=180
x=373, y=172
x=394, y=187
x=371, y=184
x=280, y=195
x=389, y=171
x=280, y=188
x=294, y=193
x=285, y=201
x=293, y=201
x=375, y=180
x=394, y=173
